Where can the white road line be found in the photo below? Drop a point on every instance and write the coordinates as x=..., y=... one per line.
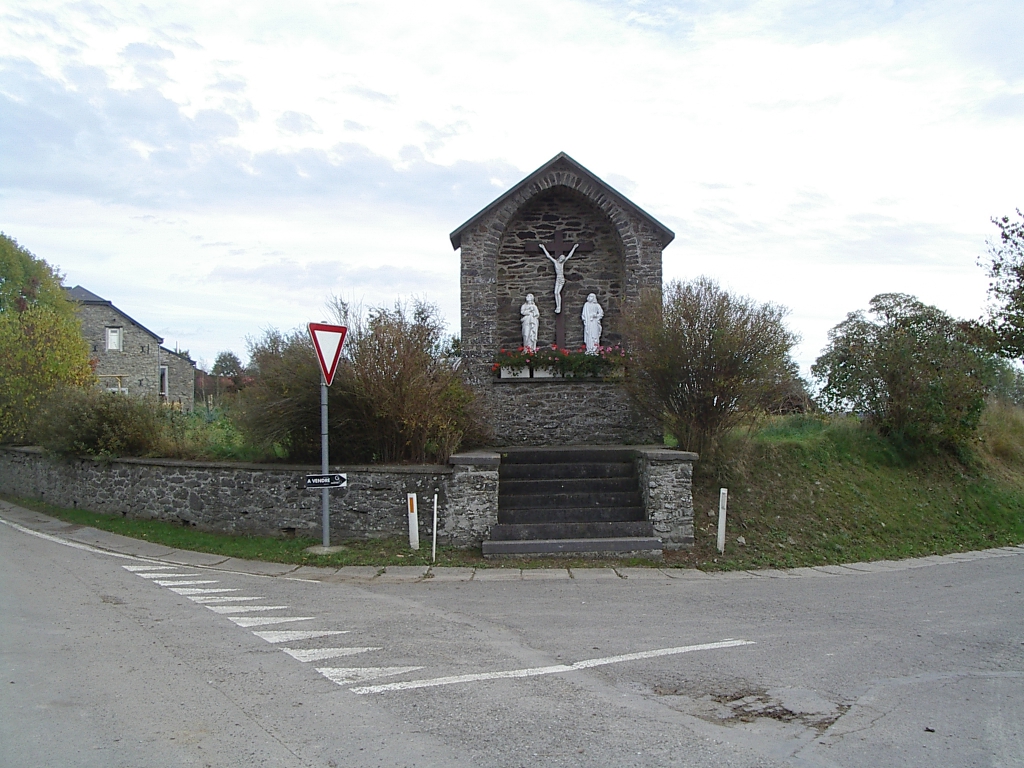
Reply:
x=159, y=575
x=66, y=542
x=294, y=635
x=346, y=675
x=179, y=583
x=319, y=654
x=199, y=591
x=256, y=621
x=139, y=569
x=244, y=608
x=552, y=670
x=223, y=599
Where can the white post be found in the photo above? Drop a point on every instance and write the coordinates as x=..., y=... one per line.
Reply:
x=433, y=548
x=414, y=523
x=723, y=500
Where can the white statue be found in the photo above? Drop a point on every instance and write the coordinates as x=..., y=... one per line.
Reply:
x=559, y=272
x=531, y=320
x=592, y=314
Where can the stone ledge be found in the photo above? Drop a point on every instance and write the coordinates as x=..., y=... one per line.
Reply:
x=412, y=469
x=667, y=454
x=475, y=459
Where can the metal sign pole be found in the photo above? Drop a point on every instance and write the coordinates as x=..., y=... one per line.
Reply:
x=325, y=493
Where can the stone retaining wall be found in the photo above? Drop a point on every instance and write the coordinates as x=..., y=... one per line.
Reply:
x=261, y=499
x=253, y=498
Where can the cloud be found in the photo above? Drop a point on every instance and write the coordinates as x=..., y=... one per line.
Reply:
x=293, y=275
x=297, y=122
x=85, y=138
x=371, y=95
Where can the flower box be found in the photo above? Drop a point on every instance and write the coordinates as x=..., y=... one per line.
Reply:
x=546, y=373
x=514, y=373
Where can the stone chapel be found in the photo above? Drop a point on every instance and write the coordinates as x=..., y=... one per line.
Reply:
x=616, y=254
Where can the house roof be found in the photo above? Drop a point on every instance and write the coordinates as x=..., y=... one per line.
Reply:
x=85, y=296
x=666, y=234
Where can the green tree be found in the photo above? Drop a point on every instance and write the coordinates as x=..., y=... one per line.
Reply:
x=910, y=367
x=1006, y=286
x=705, y=359
x=41, y=344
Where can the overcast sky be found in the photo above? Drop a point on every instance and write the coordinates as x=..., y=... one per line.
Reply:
x=218, y=168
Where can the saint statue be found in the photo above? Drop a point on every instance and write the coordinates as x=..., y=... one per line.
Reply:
x=559, y=272
x=531, y=320
x=592, y=314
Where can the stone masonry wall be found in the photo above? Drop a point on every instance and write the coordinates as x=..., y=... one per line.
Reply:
x=600, y=271
x=666, y=483
x=560, y=412
x=241, y=498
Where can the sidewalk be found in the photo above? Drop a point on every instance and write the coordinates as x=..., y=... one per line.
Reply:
x=29, y=521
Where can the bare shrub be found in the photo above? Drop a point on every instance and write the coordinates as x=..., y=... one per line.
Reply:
x=705, y=360
x=396, y=396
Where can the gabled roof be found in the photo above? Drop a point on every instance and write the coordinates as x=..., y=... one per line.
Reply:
x=84, y=296
x=667, y=235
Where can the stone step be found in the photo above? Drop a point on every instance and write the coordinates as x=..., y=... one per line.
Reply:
x=620, y=546
x=571, y=531
x=534, y=516
x=567, y=471
x=582, y=499
x=598, y=485
x=571, y=455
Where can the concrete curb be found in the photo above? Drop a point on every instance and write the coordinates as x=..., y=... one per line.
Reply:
x=419, y=574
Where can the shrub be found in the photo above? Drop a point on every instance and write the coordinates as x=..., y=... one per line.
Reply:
x=396, y=395
x=705, y=360
x=97, y=423
x=911, y=368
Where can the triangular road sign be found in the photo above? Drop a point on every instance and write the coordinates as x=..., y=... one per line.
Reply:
x=328, y=340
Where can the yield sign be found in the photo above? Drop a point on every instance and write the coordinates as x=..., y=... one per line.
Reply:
x=328, y=340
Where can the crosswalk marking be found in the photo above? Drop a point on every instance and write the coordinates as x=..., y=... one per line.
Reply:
x=244, y=608
x=319, y=654
x=180, y=583
x=203, y=600
x=256, y=621
x=161, y=575
x=141, y=568
x=294, y=635
x=346, y=675
x=199, y=590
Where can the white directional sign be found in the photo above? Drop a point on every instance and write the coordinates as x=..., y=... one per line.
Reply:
x=328, y=340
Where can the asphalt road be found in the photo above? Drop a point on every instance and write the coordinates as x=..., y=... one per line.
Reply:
x=118, y=661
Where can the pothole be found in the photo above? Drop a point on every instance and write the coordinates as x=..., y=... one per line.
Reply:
x=747, y=704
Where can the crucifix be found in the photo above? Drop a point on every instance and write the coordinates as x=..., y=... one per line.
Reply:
x=555, y=251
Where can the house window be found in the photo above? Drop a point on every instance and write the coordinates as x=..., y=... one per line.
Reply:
x=163, y=382
x=114, y=336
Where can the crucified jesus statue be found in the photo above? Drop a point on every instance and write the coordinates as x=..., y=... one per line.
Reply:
x=559, y=272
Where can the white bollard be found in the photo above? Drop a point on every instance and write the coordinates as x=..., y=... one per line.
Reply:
x=414, y=522
x=723, y=500
x=433, y=547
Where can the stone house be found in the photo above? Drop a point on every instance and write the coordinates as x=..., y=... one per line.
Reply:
x=129, y=357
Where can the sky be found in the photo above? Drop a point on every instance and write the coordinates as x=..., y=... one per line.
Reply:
x=216, y=169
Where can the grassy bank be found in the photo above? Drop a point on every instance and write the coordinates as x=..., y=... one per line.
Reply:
x=812, y=491
x=802, y=491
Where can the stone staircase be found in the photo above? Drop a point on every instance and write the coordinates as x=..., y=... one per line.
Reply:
x=571, y=501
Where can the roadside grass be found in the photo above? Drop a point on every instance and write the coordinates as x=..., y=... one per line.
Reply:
x=809, y=490
x=377, y=552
